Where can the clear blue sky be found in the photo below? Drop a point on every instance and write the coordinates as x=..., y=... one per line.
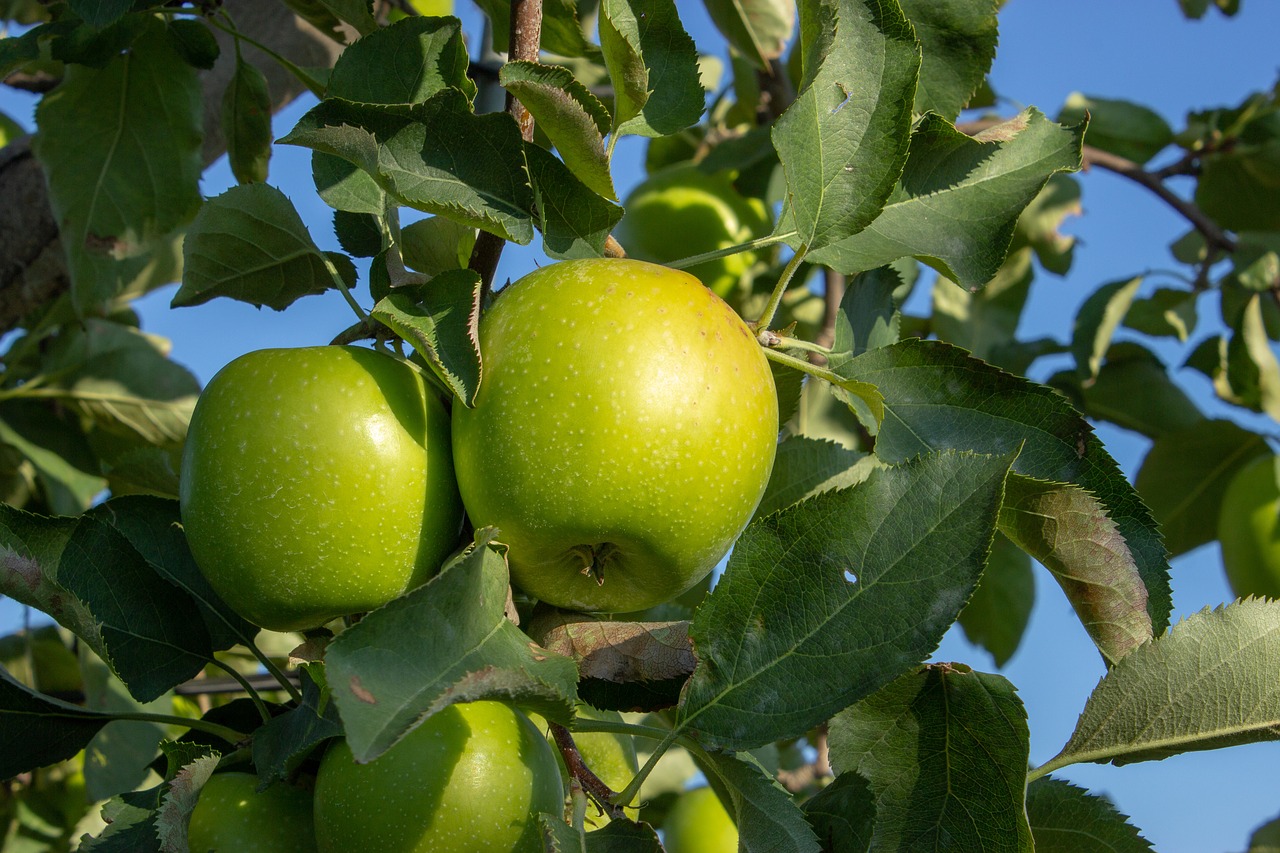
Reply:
x=1138, y=49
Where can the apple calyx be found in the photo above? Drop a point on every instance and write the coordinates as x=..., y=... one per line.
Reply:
x=595, y=558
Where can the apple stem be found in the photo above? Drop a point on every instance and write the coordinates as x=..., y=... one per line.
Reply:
x=750, y=245
x=775, y=298
x=601, y=793
x=632, y=790
x=230, y=735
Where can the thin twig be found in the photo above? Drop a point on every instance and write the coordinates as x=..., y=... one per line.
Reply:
x=526, y=36
x=597, y=790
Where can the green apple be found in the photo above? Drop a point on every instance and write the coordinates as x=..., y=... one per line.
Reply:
x=317, y=482
x=681, y=211
x=471, y=778
x=425, y=8
x=698, y=823
x=622, y=435
x=232, y=816
x=1249, y=529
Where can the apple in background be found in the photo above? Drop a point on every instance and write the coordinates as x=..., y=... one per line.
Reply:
x=470, y=778
x=681, y=211
x=622, y=436
x=698, y=823
x=231, y=816
x=1249, y=529
x=317, y=482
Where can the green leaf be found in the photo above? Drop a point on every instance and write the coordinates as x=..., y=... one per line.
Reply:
x=100, y=13
x=938, y=397
x=958, y=38
x=870, y=313
x=250, y=244
x=436, y=156
x=804, y=467
x=572, y=118
x=1038, y=225
x=194, y=41
x=760, y=30
x=843, y=141
x=1266, y=838
x=1097, y=321
x=653, y=64
x=119, y=757
x=945, y=752
x=825, y=602
x=345, y=186
x=1068, y=819
x=124, y=382
x=984, y=321
x=436, y=244
x=957, y=203
x=1253, y=371
x=843, y=814
x=1185, y=473
x=329, y=15
x=113, y=197
x=442, y=327
x=1238, y=188
x=996, y=616
x=1166, y=312
x=1208, y=683
x=178, y=799
x=405, y=63
x=767, y=816
x=246, y=123
x=561, y=31
x=131, y=826
x=1067, y=530
x=55, y=445
x=1134, y=390
x=284, y=742
x=573, y=219
x=1122, y=128
x=359, y=234
x=36, y=730
x=88, y=576
x=447, y=641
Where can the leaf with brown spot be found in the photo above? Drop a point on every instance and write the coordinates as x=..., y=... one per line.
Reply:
x=620, y=652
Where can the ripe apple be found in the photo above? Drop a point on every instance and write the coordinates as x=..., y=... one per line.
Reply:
x=231, y=816
x=471, y=778
x=622, y=436
x=317, y=482
x=681, y=211
x=698, y=823
x=1249, y=529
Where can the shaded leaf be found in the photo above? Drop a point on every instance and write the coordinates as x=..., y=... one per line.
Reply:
x=827, y=601
x=804, y=467
x=246, y=123
x=436, y=156
x=937, y=397
x=1097, y=321
x=1207, y=683
x=55, y=445
x=767, y=816
x=345, y=186
x=984, y=321
x=944, y=749
x=843, y=814
x=118, y=758
x=445, y=642
x=1123, y=128
x=1238, y=187
x=38, y=730
x=1068, y=819
x=957, y=203
x=328, y=16
x=1185, y=474
x=996, y=616
x=869, y=315
x=194, y=41
x=112, y=190
x=405, y=63
x=250, y=244
x=757, y=29
x=1040, y=220
x=178, y=800
x=436, y=244
x=100, y=13
x=283, y=742
x=573, y=219
x=1067, y=530
x=653, y=64
x=621, y=652
x=572, y=118
x=441, y=327
x=843, y=141
x=958, y=38
x=1133, y=389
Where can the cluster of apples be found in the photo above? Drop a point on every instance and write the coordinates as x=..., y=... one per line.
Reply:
x=621, y=438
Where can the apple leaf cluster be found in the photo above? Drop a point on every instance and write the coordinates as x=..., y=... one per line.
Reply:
x=879, y=475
